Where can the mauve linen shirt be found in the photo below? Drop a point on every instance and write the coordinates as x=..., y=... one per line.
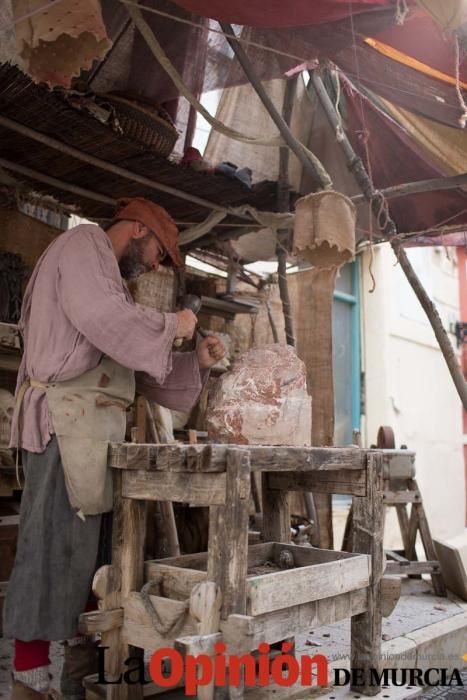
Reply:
x=76, y=309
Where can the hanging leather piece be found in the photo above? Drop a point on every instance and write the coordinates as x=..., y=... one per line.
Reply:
x=56, y=42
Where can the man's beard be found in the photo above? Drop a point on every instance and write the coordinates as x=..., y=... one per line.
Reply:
x=131, y=263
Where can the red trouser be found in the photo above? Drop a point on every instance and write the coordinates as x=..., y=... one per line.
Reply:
x=29, y=655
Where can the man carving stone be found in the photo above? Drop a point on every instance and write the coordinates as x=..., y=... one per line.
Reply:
x=86, y=347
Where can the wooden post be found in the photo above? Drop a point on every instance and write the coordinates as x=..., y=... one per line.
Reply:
x=128, y=534
x=228, y=535
x=283, y=204
x=228, y=540
x=368, y=528
x=276, y=513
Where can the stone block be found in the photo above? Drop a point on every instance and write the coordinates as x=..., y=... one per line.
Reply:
x=263, y=400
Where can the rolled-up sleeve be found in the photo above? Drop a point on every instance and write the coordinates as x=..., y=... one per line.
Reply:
x=182, y=386
x=91, y=294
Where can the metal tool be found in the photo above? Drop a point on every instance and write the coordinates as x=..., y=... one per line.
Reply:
x=193, y=303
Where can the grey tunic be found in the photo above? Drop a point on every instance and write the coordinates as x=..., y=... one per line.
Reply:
x=56, y=556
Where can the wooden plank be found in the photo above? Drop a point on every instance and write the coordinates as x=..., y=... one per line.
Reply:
x=243, y=633
x=368, y=528
x=403, y=519
x=390, y=594
x=198, y=489
x=228, y=535
x=198, y=644
x=339, y=481
x=139, y=631
x=392, y=498
x=275, y=591
x=106, y=587
x=412, y=568
x=276, y=512
x=427, y=541
x=100, y=621
x=212, y=457
x=205, y=607
x=175, y=582
x=307, y=556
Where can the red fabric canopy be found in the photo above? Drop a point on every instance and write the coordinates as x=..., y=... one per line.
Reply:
x=278, y=13
x=396, y=158
x=421, y=38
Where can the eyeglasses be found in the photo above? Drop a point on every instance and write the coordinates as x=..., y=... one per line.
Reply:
x=162, y=253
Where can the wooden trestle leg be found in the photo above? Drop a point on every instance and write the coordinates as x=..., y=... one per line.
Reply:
x=128, y=533
x=228, y=540
x=368, y=528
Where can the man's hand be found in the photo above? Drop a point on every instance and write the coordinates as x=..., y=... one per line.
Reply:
x=210, y=350
x=186, y=324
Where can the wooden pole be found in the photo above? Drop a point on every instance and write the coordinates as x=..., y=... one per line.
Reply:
x=433, y=185
x=53, y=182
x=109, y=167
x=283, y=204
x=310, y=163
x=388, y=227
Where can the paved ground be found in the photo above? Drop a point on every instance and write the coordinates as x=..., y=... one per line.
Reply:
x=449, y=693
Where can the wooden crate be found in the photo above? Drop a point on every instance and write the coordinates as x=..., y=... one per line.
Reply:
x=316, y=574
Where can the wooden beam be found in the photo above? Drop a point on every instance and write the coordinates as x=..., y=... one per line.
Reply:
x=198, y=489
x=54, y=182
x=212, y=458
x=99, y=621
x=340, y=481
x=412, y=567
x=435, y=184
x=243, y=633
x=304, y=584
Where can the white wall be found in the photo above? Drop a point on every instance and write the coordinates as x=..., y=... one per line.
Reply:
x=407, y=383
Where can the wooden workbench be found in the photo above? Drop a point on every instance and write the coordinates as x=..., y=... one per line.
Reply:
x=202, y=599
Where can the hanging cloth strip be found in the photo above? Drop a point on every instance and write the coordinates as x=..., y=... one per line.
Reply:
x=268, y=219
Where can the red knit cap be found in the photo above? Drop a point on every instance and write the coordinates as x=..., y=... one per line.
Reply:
x=155, y=218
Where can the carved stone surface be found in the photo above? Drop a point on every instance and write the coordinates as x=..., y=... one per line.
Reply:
x=262, y=401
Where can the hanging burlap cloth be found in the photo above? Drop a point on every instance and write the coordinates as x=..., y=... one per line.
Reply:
x=324, y=229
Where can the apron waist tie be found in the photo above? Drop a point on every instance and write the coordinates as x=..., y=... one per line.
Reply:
x=28, y=383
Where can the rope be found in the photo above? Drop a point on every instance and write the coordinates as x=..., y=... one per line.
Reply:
x=402, y=11
x=463, y=106
x=340, y=136
x=167, y=65
x=161, y=628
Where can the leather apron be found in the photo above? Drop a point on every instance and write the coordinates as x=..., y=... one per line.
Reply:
x=87, y=413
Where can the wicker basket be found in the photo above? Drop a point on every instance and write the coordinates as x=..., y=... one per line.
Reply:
x=147, y=124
